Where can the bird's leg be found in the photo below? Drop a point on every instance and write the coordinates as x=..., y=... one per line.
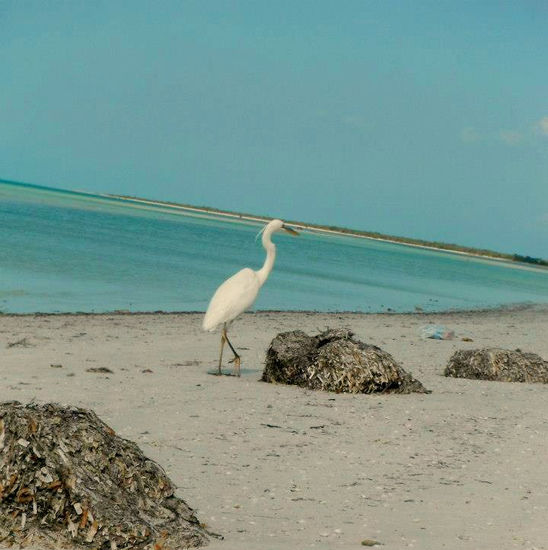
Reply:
x=237, y=365
x=223, y=339
x=236, y=359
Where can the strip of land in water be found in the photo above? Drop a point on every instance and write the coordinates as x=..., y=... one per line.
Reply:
x=515, y=260
x=330, y=229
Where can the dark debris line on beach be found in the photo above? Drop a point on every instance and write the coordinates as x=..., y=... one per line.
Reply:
x=66, y=479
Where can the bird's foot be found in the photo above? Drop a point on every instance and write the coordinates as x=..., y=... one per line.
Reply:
x=237, y=361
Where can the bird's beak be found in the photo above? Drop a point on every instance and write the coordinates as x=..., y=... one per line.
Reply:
x=290, y=230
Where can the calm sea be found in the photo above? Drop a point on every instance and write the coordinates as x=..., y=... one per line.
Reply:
x=64, y=252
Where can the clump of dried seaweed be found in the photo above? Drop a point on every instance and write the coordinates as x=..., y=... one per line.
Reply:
x=66, y=479
x=498, y=364
x=334, y=361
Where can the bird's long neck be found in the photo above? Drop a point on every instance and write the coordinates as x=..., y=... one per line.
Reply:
x=270, y=248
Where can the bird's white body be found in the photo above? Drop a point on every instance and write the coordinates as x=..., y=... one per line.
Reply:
x=232, y=298
x=238, y=293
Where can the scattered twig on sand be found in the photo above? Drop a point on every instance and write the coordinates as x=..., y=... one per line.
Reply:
x=100, y=369
x=23, y=343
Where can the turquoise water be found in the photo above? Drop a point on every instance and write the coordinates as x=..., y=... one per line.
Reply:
x=64, y=252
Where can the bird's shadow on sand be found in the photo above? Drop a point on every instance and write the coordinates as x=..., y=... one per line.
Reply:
x=243, y=373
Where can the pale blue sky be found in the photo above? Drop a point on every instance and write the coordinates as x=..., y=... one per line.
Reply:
x=419, y=118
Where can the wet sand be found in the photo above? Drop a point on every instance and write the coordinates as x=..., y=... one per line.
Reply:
x=276, y=467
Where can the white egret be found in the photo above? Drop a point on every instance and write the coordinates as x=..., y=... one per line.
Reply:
x=239, y=292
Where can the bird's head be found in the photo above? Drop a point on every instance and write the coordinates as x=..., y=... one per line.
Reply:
x=272, y=227
x=279, y=225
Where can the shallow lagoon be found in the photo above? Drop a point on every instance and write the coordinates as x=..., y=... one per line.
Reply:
x=63, y=251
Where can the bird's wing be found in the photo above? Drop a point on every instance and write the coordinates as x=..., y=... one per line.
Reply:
x=233, y=297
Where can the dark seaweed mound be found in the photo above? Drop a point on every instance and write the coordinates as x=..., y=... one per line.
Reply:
x=334, y=361
x=66, y=479
x=498, y=364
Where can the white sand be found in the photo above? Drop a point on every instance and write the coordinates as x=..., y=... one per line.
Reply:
x=464, y=467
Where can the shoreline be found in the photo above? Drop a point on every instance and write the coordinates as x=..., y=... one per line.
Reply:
x=233, y=217
x=542, y=307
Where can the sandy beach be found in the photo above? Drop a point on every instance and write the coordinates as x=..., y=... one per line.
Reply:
x=279, y=467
